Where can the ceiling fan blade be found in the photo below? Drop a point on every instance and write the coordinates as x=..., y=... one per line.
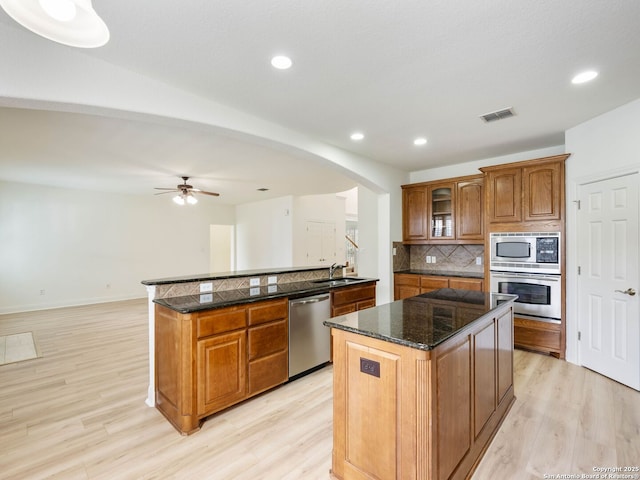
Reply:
x=162, y=193
x=213, y=194
x=172, y=189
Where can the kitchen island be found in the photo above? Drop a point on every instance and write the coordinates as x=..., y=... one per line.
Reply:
x=421, y=385
x=218, y=340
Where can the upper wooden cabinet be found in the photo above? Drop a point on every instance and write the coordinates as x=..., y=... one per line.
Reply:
x=415, y=227
x=522, y=192
x=470, y=209
x=449, y=211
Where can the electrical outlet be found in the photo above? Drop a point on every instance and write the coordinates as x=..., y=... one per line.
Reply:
x=394, y=251
x=206, y=298
x=254, y=282
x=272, y=280
x=427, y=259
x=254, y=291
x=478, y=260
x=272, y=289
x=433, y=259
x=206, y=287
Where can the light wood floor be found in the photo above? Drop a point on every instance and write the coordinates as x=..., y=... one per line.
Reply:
x=78, y=412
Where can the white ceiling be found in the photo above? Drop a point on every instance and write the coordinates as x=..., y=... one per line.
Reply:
x=393, y=70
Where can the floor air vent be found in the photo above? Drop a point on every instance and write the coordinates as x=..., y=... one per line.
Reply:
x=498, y=115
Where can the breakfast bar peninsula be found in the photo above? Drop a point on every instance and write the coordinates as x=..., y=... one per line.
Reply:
x=421, y=385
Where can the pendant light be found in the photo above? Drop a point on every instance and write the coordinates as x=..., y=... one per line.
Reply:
x=70, y=22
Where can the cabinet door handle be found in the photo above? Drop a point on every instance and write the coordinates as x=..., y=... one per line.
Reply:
x=629, y=291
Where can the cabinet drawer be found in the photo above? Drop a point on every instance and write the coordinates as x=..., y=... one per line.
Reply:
x=407, y=280
x=401, y=292
x=268, y=372
x=466, y=283
x=353, y=294
x=433, y=283
x=267, y=311
x=220, y=321
x=343, y=309
x=540, y=336
x=366, y=304
x=267, y=339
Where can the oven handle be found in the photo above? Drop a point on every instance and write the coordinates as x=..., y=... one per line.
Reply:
x=550, y=278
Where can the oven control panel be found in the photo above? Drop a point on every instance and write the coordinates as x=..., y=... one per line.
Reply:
x=547, y=249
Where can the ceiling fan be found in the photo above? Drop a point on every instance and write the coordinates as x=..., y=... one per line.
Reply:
x=185, y=193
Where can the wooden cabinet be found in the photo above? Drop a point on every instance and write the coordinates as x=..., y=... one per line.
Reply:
x=543, y=191
x=466, y=283
x=221, y=371
x=448, y=211
x=429, y=284
x=525, y=192
x=470, y=209
x=529, y=196
x=351, y=299
x=441, y=210
x=415, y=225
x=407, y=285
x=268, y=345
x=420, y=413
x=207, y=361
x=545, y=337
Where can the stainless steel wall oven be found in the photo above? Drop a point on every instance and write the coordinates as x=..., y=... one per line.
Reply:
x=539, y=296
x=528, y=264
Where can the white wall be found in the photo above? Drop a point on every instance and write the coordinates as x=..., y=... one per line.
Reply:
x=351, y=203
x=66, y=79
x=264, y=234
x=83, y=247
x=471, y=168
x=604, y=146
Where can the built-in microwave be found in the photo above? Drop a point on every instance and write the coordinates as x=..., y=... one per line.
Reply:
x=525, y=252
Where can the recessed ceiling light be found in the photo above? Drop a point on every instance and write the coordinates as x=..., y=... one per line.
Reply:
x=281, y=62
x=420, y=141
x=357, y=136
x=584, y=77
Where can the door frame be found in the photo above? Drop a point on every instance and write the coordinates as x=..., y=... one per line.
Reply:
x=572, y=321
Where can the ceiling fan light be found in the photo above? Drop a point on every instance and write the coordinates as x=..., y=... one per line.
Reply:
x=191, y=200
x=179, y=199
x=70, y=22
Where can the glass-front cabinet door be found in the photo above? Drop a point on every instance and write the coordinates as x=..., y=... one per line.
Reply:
x=441, y=211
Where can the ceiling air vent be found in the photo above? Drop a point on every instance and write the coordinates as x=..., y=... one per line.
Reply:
x=498, y=115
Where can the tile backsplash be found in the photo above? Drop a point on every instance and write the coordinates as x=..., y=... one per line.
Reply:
x=459, y=258
x=193, y=288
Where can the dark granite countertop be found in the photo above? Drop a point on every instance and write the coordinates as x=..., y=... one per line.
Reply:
x=226, y=298
x=424, y=321
x=444, y=273
x=203, y=277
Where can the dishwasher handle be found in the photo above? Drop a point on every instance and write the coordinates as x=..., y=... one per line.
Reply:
x=305, y=301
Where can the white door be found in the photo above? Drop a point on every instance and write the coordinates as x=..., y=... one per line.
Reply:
x=321, y=243
x=608, y=313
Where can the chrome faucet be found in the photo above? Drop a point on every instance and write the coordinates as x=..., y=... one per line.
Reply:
x=333, y=268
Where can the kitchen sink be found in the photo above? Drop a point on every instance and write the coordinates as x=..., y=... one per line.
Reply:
x=338, y=281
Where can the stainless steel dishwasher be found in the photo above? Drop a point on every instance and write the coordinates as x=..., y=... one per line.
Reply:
x=309, y=339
